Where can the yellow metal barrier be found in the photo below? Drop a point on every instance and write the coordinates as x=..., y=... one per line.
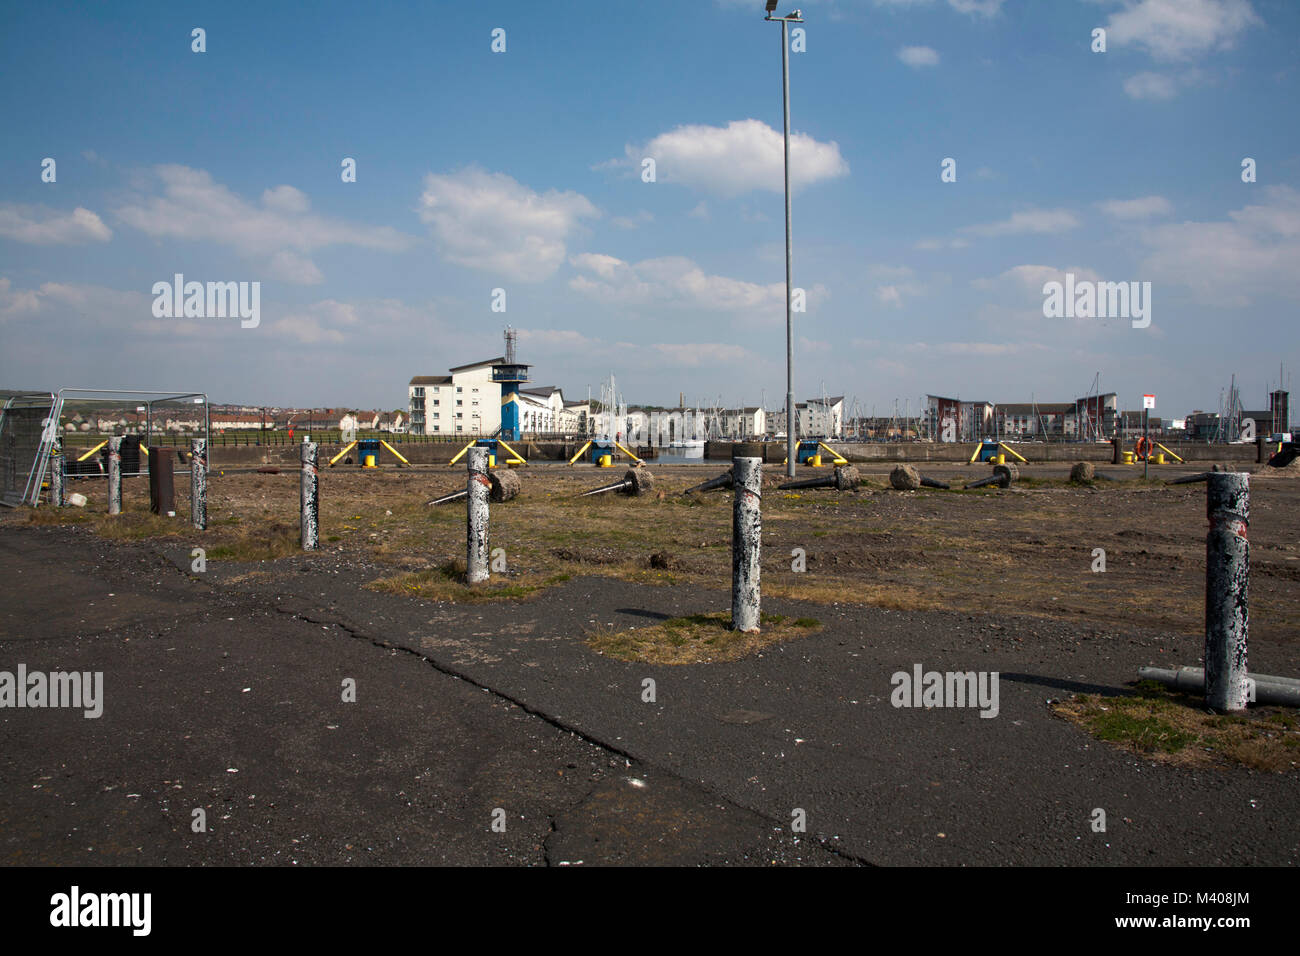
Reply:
x=334, y=460
x=1169, y=453
x=395, y=452
x=580, y=453
x=516, y=458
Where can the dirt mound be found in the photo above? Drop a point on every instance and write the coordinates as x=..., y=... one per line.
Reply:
x=1286, y=471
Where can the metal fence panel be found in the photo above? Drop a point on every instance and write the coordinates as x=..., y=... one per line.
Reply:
x=26, y=436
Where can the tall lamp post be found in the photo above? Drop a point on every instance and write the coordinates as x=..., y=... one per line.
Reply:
x=795, y=17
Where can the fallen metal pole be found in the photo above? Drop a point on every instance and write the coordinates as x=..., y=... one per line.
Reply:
x=635, y=482
x=115, y=475
x=932, y=483
x=615, y=486
x=1227, y=588
x=310, y=488
x=1189, y=479
x=448, y=499
x=725, y=480
x=505, y=487
x=1268, y=690
x=843, y=478
x=56, y=473
x=199, y=483
x=746, y=540
x=477, y=485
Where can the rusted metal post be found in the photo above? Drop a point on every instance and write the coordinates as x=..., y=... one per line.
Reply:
x=199, y=483
x=478, y=485
x=746, y=538
x=1227, y=586
x=162, y=483
x=310, y=486
x=115, y=475
x=56, y=473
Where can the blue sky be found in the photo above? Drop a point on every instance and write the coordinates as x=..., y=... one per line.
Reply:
x=521, y=170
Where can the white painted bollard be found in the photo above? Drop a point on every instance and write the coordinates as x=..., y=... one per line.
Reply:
x=115, y=475
x=478, y=485
x=746, y=538
x=310, y=497
x=199, y=483
x=56, y=473
x=1227, y=588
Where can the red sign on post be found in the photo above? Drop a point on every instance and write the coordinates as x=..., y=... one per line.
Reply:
x=1148, y=401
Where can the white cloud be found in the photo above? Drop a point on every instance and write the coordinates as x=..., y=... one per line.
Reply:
x=291, y=267
x=742, y=156
x=987, y=349
x=889, y=295
x=607, y=267
x=1032, y=278
x=982, y=8
x=280, y=227
x=1250, y=256
x=491, y=222
x=676, y=281
x=1144, y=208
x=16, y=302
x=44, y=227
x=918, y=56
x=938, y=245
x=694, y=354
x=701, y=210
x=1028, y=221
x=632, y=222
x=1151, y=86
x=98, y=305
x=1180, y=29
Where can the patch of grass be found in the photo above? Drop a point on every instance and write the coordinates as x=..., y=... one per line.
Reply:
x=698, y=639
x=139, y=525
x=276, y=541
x=446, y=582
x=49, y=516
x=892, y=597
x=1171, y=727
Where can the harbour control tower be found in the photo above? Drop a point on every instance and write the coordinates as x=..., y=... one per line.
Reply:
x=510, y=374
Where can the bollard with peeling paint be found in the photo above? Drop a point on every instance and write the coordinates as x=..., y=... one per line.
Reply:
x=478, y=486
x=746, y=539
x=1227, y=586
x=115, y=475
x=56, y=473
x=199, y=483
x=310, y=480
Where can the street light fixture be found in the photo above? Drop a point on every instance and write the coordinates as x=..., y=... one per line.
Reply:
x=795, y=17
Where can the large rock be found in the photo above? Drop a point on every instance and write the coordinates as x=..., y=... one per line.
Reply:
x=905, y=478
x=1083, y=471
x=641, y=481
x=505, y=485
x=846, y=478
x=1006, y=473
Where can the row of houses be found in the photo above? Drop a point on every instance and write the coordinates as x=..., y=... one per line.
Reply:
x=1093, y=417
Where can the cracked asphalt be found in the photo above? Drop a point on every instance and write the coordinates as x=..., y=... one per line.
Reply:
x=223, y=693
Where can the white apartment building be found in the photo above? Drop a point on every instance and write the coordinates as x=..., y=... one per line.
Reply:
x=466, y=402
x=743, y=423
x=815, y=418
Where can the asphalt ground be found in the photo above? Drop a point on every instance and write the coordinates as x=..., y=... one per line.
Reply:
x=222, y=700
x=222, y=692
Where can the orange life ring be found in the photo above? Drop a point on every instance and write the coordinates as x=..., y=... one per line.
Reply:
x=1143, y=447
